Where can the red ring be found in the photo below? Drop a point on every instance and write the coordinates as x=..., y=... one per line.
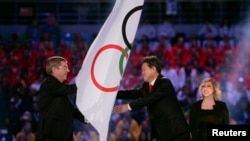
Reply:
x=99, y=86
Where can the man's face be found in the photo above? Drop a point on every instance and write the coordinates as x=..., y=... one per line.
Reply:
x=61, y=72
x=147, y=72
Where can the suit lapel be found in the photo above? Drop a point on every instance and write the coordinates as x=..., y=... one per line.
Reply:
x=157, y=83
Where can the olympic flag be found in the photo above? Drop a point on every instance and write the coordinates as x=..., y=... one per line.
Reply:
x=102, y=69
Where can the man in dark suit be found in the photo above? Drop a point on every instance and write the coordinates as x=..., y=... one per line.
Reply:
x=166, y=117
x=56, y=110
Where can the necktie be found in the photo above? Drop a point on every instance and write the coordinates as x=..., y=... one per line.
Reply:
x=150, y=88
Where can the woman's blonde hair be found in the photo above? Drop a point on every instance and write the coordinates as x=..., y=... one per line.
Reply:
x=216, y=88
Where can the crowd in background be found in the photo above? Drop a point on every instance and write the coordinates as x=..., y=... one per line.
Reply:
x=218, y=50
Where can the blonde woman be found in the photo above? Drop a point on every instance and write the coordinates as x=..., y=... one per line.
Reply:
x=209, y=110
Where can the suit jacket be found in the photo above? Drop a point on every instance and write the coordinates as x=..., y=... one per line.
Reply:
x=56, y=110
x=198, y=123
x=166, y=117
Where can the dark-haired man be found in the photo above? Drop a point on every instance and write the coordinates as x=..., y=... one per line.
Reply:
x=157, y=93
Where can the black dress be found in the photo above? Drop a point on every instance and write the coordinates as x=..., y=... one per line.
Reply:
x=200, y=119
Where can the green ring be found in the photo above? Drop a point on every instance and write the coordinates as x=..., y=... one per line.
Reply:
x=122, y=59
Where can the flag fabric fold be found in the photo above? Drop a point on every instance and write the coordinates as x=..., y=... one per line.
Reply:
x=102, y=69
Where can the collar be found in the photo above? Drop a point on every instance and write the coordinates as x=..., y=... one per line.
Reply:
x=152, y=82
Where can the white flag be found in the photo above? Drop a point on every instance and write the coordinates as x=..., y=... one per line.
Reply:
x=99, y=78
